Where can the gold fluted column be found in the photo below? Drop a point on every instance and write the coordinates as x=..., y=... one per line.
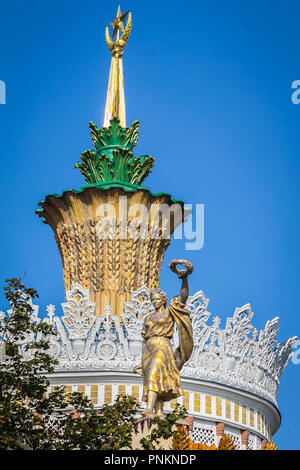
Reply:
x=115, y=100
x=106, y=245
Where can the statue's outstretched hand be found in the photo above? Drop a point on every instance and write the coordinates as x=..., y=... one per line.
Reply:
x=181, y=273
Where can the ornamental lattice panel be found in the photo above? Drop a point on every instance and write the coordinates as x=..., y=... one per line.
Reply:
x=204, y=433
x=254, y=442
x=236, y=435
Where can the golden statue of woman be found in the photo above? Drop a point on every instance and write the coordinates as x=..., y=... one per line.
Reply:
x=161, y=365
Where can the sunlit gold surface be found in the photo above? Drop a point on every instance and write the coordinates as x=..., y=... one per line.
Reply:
x=118, y=24
x=113, y=267
x=115, y=100
x=159, y=366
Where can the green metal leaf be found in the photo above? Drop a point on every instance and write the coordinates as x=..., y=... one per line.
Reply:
x=113, y=158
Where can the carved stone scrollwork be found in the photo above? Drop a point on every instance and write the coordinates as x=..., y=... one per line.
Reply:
x=133, y=318
x=79, y=314
x=107, y=348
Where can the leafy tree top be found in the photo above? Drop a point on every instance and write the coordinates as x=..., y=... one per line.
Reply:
x=32, y=417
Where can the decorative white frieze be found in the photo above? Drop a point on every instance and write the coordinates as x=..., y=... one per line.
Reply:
x=238, y=355
x=133, y=318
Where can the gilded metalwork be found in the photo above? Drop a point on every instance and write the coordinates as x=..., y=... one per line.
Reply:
x=161, y=366
x=182, y=440
x=175, y=262
x=115, y=101
x=117, y=24
x=270, y=446
x=226, y=443
x=117, y=47
x=110, y=266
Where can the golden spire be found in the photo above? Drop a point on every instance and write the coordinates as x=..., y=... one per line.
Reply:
x=115, y=101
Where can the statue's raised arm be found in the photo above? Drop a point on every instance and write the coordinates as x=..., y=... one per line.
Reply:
x=183, y=275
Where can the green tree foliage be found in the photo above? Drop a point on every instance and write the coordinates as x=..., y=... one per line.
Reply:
x=163, y=429
x=33, y=418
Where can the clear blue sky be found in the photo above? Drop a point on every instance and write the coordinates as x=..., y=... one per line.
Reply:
x=210, y=83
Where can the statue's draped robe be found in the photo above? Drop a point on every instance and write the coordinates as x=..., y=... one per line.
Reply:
x=160, y=365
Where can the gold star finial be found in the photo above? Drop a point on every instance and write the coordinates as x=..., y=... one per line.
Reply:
x=115, y=101
x=118, y=24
